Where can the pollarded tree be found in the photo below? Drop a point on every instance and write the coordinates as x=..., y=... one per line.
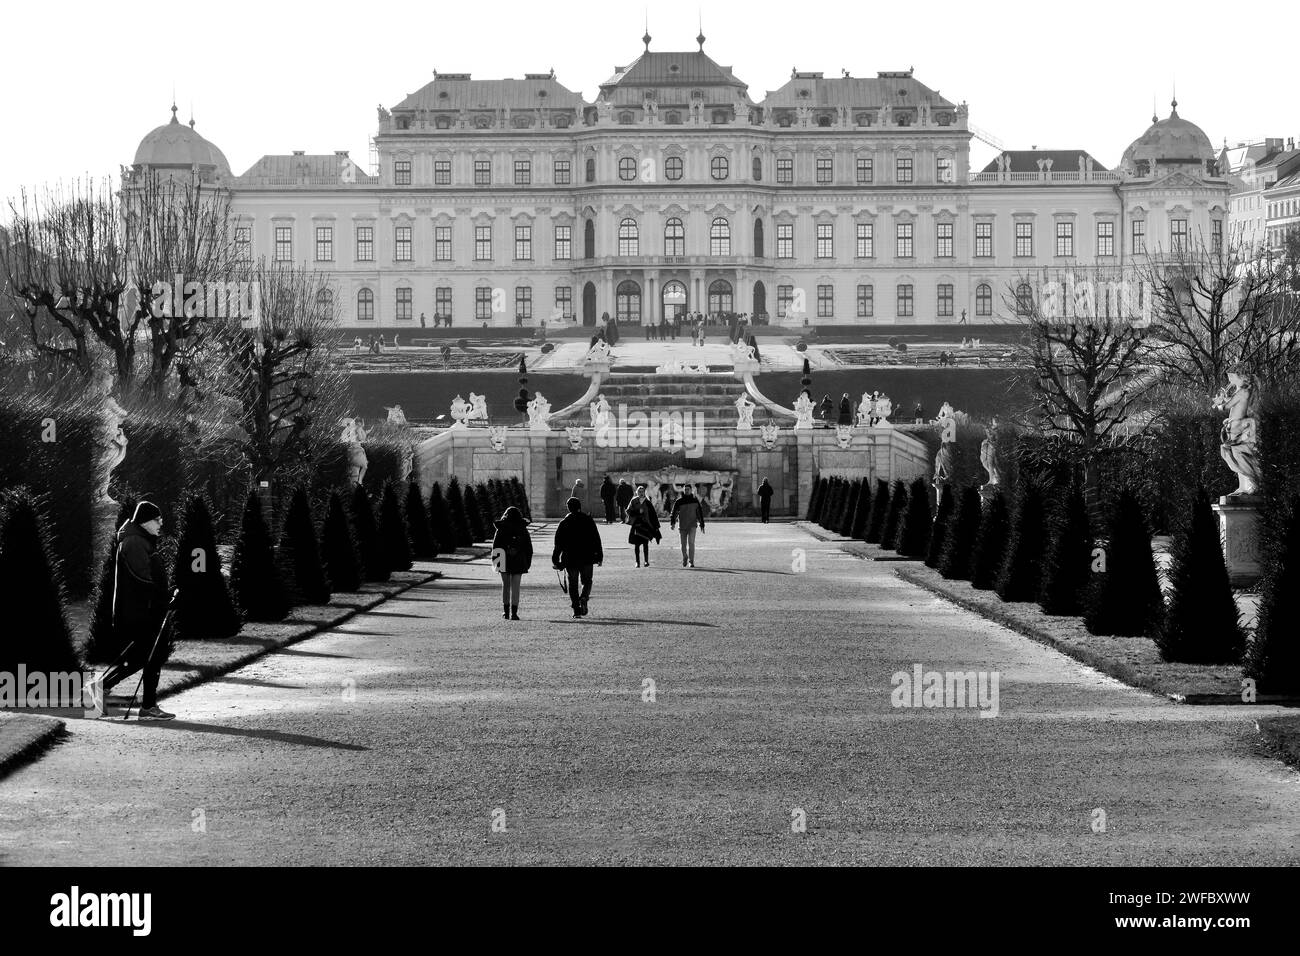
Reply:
x=1021, y=575
x=1068, y=557
x=30, y=588
x=942, y=525
x=299, y=556
x=339, y=546
x=254, y=577
x=879, y=513
x=1123, y=597
x=894, y=517
x=914, y=535
x=990, y=543
x=393, y=529
x=1201, y=624
x=464, y=537
x=959, y=542
x=203, y=607
x=423, y=547
x=374, y=558
x=1273, y=658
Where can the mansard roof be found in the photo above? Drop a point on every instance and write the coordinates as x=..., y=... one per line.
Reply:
x=457, y=91
x=671, y=70
x=307, y=168
x=1063, y=160
x=898, y=89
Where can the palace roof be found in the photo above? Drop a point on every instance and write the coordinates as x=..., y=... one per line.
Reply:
x=1063, y=160
x=456, y=91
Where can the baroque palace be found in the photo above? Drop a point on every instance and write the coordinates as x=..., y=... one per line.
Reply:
x=839, y=199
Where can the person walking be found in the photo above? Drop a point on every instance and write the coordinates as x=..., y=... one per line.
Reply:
x=919, y=415
x=644, y=525
x=765, y=493
x=846, y=410
x=623, y=496
x=577, y=551
x=512, y=556
x=140, y=597
x=607, y=493
x=687, y=517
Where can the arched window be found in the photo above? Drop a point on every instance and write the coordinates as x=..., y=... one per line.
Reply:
x=589, y=240
x=325, y=304
x=720, y=237
x=442, y=122
x=673, y=168
x=674, y=238
x=758, y=239
x=629, y=239
x=719, y=167
x=627, y=168
x=1024, y=299
x=591, y=170
x=983, y=299
x=720, y=298
x=758, y=169
x=627, y=303
x=365, y=305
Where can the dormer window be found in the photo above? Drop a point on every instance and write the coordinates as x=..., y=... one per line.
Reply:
x=864, y=119
x=561, y=121
x=784, y=120
x=697, y=94
x=482, y=121
x=403, y=122
x=823, y=121
x=673, y=119
x=442, y=122
x=719, y=117
x=625, y=118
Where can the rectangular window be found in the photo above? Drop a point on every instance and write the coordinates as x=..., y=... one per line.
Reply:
x=866, y=170
x=1178, y=235
x=825, y=240
x=1139, y=237
x=1216, y=236
x=903, y=169
x=283, y=243
x=402, y=172
x=1105, y=238
x=1024, y=239
x=563, y=242
x=482, y=243
x=442, y=243
x=866, y=240
x=365, y=244
x=903, y=240
x=243, y=242
x=523, y=302
x=402, y=244
x=945, y=300
x=904, y=301
x=1065, y=239
x=404, y=303
x=785, y=170
x=943, y=169
x=866, y=301
x=784, y=299
x=482, y=172
x=482, y=304
x=324, y=243
x=825, y=301
x=563, y=172
x=442, y=172
x=943, y=240
x=442, y=301
x=564, y=302
x=523, y=172
x=785, y=240
x=824, y=169
x=984, y=239
x=523, y=242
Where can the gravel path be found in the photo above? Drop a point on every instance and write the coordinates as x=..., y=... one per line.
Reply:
x=399, y=736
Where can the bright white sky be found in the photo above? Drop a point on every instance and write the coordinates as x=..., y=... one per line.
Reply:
x=272, y=77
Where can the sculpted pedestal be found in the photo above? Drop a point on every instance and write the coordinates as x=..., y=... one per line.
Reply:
x=1239, y=533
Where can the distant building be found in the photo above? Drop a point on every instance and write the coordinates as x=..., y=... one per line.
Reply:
x=1253, y=169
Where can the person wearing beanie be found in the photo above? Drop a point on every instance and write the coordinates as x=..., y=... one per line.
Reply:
x=577, y=550
x=512, y=556
x=140, y=596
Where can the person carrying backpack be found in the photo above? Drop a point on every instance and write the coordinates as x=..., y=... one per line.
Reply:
x=512, y=556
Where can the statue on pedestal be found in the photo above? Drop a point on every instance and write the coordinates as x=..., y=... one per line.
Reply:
x=803, y=410
x=353, y=435
x=884, y=408
x=1240, y=446
x=539, y=410
x=600, y=413
x=867, y=409
x=744, y=412
x=989, y=454
x=396, y=417
x=478, y=407
x=460, y=410
x=112, y=440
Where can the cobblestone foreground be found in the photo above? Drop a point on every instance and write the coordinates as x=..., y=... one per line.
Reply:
x=401, y=736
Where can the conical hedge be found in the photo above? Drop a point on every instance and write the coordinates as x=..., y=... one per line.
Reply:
x=959, y=541
x=1021, y=576
x=487, y=512
x=374, y=558
x=990, y=543
x=1202, y=624
x=339, y=548
x=862, y=511
x=464, y=537
x=914, y=535
x=104, y=645
x=894, y=517
x=879, y=513
x=204, y=609
x=474, y=516
x=942, y=525
x=254, y=577
x=393, y=530
x=1124, y=599
x=817, y=488
x=1068, y=558
x=849, y=511
x=1273, y=658
x=830, y=503
x=521, y=498
x=423, y=547
x=440, y=529
x=37, y=634
x=299, y=556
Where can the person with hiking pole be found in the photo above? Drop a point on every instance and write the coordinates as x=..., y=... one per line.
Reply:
x=577, y=550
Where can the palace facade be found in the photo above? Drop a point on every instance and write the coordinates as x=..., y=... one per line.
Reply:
x=832, y=200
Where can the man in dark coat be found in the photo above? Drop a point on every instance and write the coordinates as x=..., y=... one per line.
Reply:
x=607, y=495
x=765, y=499
x=689, y=511
x=624, y=497
x=577, y=550
x=140, y=596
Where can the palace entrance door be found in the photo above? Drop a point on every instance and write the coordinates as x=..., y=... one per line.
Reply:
x=674, y=299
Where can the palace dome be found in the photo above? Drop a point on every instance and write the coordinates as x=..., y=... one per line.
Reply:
x=1168, y=142
x=178, y=146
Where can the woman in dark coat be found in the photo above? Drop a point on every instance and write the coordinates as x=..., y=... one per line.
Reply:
x=512, y=556
x=825, y=408
x=846, y=410
x=644, y=524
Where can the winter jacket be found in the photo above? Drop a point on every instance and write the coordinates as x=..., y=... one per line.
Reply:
x=625, y=494
x=577, y=542
x=139, y=584
x=846, y=412
x=512, y=537
x=689, y=512
x=607, y=491
x=644, y=522
x=765, y=491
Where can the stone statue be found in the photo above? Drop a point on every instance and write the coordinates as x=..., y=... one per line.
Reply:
x=803, y=411
x=574, y=434
x=844, y=435
x=112, y=440
x=770, y=431
x=884, y=408
x=744, y=412
x=539, y=410
x=600, y=412
x=867, y=409
x=460, y=410
x=478, y=407
x=989, y=453
x=353, y=435
x=396, y=417
x=497, y=436
x=943, y=463
x=599, y=352
x=1240, y=448
x=742, y=352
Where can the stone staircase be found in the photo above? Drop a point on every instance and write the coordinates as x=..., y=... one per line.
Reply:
x=712, y=396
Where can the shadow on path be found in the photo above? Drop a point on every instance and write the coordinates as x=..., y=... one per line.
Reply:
x=300, y=740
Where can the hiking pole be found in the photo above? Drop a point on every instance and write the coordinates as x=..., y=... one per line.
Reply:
x=163, y=629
